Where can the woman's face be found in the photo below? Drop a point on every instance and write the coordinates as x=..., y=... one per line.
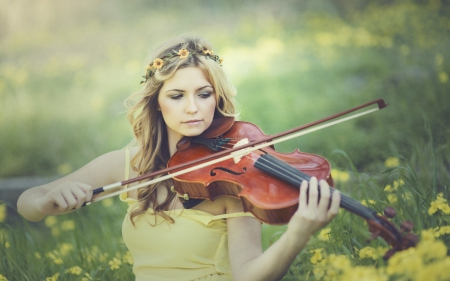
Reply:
x=187, y=102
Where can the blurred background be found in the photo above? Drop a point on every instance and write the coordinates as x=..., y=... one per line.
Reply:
x=67, y=66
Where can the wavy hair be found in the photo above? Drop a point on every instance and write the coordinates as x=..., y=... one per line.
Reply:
x=149, y=128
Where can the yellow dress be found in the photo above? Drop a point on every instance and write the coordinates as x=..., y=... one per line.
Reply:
x=194, y=247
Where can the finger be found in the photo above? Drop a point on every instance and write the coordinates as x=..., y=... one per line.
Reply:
x=324, y=195
x=335, y=204
x=313, y=192
x=59, y=201
x=88, y=191
x=70, y=198
x=80, y=196
x=303, y=195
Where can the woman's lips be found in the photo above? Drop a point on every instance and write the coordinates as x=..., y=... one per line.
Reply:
x=192, y=122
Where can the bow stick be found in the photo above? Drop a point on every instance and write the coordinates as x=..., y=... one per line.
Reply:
x=236, y=152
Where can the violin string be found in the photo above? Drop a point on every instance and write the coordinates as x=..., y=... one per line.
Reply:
x=346, y=201
x=237, y=153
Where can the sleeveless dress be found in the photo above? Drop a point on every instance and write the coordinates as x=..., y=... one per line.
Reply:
x=194, y=247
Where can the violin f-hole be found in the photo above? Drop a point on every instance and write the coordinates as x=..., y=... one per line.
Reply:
x=213, y=173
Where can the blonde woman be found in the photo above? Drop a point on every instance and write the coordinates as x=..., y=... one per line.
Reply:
x=184, y=89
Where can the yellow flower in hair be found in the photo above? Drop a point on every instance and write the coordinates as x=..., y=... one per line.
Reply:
x=183, y=53
x=158, y=63
x=208, y=52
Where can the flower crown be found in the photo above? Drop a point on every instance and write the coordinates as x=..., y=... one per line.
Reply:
x=151, y=69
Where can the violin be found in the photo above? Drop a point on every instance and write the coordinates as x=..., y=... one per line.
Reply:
x=265, y=180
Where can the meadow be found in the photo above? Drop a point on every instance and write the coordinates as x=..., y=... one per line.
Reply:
x=64, y=74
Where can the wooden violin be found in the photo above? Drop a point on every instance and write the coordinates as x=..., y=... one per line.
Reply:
x=267, y=181
x=234, y=158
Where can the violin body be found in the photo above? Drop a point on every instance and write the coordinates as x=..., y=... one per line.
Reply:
x=270, y=199
x=267, y=181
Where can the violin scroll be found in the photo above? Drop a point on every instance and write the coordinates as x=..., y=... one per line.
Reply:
x=399, y=239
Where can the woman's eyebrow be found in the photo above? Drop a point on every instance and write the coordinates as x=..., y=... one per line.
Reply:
x=182, y=91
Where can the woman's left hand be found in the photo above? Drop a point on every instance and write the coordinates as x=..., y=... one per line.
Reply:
x=314, y=208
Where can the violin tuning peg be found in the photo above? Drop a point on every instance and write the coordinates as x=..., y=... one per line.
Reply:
x=374, y=235
x=390, y=212
x=407, y=226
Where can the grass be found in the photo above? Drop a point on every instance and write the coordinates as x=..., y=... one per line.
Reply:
x=64, y=76
x=87, y=244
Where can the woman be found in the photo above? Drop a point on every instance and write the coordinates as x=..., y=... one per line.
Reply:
x=184, y=90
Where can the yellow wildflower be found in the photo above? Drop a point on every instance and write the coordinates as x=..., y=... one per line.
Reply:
x=68, y=225
x=7, y=244
x=392, y=198
x=366, y=273
x=436, y=271
x=340, y=176
x=439, y=204
x=331, y=274
x=75, y=270
x=392, y=162
x=53, y=278
x=444, y=230
x=318, y=272
x=103, y=257
x=324, y=234
x=443, y=77
x=340, y=262
x=50, y=221
x=183, y=53
x=87, y=277
x=406, y=263
x=115, y=263
x=3, y=278
x=65, y=248
x=128, y=258
x=108, y=202
x=366, y=202
x=2, y=212
x=54, y=257
x=317, y=256
x=431, y=250
x=368, y=252
x=64, y=169
x=398, y=183
x=158, y=63
x=428, y=235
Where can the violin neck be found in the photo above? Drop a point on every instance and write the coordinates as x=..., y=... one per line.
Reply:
x=293, y=176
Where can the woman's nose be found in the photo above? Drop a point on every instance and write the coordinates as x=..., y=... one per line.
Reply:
x=191, y=106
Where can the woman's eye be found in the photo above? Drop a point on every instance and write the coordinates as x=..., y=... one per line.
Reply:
x=205, y=95
x=176, y=97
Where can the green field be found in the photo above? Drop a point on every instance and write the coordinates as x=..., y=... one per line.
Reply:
x=67, y=67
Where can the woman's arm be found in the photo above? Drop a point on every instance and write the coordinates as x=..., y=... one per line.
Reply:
x=71, y=191
x=244, y=236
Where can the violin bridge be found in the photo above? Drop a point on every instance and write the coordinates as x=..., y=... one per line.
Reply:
x=238, y=158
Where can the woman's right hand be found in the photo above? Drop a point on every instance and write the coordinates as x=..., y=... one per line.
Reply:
x=65, y=197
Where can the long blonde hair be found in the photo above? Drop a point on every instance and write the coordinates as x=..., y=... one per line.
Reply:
x=148, y=125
